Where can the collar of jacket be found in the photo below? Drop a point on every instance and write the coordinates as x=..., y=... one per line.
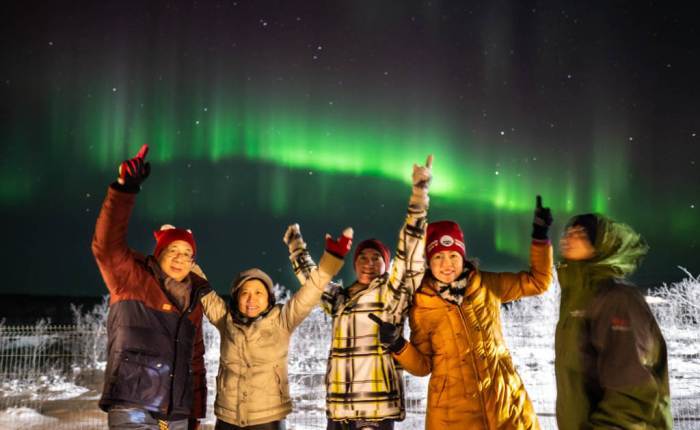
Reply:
x=350, y=301
x=455, y=291
x=239, y=318
x=193, y=282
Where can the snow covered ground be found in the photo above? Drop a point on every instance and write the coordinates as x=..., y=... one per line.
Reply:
x=68, y=400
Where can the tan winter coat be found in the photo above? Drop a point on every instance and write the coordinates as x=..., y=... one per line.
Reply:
x=473, y=384
x=252, y=386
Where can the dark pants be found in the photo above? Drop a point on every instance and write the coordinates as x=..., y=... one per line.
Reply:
x=360, y=424
x=275, y=425
x=123, y=418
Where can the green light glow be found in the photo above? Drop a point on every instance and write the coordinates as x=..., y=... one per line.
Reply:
x=468, y=174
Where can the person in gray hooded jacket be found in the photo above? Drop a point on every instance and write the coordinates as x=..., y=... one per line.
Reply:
x=252, y=389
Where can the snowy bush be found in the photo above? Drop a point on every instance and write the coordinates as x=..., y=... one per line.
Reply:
x=678, y=305
x=92, y=328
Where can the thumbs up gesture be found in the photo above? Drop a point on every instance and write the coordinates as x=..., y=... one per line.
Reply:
x=422, y=175
x=134, y=171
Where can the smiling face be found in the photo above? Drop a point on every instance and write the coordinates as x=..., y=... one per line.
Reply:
x=446, y=266
x=368, y=265
x=574, y=244
x=177, y=260
x=252, y=298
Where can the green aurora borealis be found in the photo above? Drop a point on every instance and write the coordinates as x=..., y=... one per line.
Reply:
x=238, y=152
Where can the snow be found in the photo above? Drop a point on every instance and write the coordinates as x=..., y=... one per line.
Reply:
x=44, y=388
x=24, y=418
x=528, y=327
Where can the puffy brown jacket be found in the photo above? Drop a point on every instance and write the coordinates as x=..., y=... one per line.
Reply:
x=155, y=351
x=473, y=384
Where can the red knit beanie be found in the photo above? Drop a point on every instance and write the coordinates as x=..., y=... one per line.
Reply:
x=169, y=234
x=373, y=244
x=445, y=236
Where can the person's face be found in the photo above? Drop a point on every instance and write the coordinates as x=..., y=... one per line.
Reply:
x=574, y=244
x=252, y=298
x=369, y=265
x=177, y=260
x=446, y=266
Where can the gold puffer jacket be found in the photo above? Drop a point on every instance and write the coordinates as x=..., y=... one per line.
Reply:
x=473, y=384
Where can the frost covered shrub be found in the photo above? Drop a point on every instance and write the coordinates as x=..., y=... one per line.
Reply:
x=678, y=305
x=281, y=293
x=91, y=329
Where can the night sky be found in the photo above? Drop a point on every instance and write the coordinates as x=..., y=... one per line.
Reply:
x=262, y=113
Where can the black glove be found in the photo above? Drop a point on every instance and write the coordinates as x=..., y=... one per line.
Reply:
x=134, y=171
x=542, y=222
x=389, y=334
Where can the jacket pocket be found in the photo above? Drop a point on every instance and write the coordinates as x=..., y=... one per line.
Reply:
x=436, y=390
x=282, y=383
x=187, y=390
x=139, y=377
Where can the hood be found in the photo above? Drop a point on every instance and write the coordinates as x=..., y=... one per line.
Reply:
x=238, y=281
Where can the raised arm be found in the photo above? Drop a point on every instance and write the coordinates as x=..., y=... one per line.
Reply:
x=408, y=266
x=215, y=309
x=114, y=258
x=303, y=265
x=512, y=286
x=316, y=280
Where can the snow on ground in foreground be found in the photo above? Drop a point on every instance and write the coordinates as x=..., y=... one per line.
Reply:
x=24, y=418
x=43, y=389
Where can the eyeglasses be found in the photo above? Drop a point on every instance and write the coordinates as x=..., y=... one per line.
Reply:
x=183, y=256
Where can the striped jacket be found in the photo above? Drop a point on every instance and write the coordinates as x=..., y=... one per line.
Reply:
x=363, y=381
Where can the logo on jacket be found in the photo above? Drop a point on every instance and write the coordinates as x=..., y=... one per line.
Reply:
x=620, y=324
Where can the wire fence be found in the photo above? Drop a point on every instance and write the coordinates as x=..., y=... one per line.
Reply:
x=51, y=376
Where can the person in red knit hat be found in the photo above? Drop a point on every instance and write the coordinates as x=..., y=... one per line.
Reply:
x=456, y=334
x=370, y=261
x=155, y=376
x=364, y=387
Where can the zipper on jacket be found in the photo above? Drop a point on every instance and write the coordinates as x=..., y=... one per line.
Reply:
x=476, y=370
x=183, y=315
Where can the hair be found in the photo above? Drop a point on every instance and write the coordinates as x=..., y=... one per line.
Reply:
x=619, y=249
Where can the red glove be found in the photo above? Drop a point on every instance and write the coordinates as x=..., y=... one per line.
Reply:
x=341, y=246
x=134, y=171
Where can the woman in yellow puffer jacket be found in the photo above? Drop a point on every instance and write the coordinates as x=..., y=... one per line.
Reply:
x=456, y=334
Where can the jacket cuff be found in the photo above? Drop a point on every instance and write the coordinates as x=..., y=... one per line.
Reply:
x=330, y=264
x=125, y=188
x=403, y=348
x=419, y=199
